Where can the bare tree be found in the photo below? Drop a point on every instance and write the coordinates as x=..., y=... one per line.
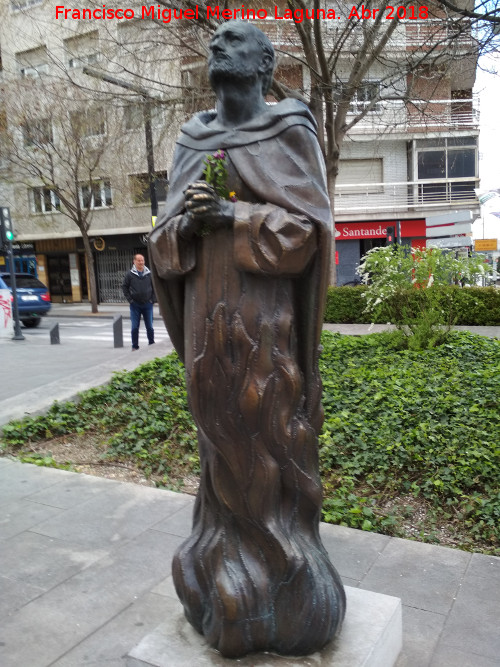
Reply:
x=55, y=144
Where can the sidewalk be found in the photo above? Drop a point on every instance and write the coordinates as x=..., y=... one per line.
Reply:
x=35, y=373
x=85, y=575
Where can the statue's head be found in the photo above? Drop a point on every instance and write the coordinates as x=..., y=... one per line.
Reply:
x=240, y=51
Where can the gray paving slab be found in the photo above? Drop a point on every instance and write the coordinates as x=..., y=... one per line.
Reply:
x=21, y=481
x=112, y=641
x=473, y=624
x=180, y=522
x=424, y=576
x=19, y=515
x=117, y=515
x=69, y=613
x=353, y=554
x=43, y=561
x=421, y=633
x=63, y=372
x=75, y=490
x=485, y=566
x=451, y=657
x=15, y=595
x=166, y=588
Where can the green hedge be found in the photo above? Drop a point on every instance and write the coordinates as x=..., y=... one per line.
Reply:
x=472, y=306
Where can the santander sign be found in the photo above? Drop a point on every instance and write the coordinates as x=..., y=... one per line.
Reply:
x=360, y=231
x=345, y=231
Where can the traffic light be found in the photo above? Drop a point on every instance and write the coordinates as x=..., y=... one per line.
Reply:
x=390, y=236
x=6, y=226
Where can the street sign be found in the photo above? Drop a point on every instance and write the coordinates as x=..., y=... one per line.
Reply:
x=449, y=230
x=483, y=245
x=450, y=242
x=449, y=218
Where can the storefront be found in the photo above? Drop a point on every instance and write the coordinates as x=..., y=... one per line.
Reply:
x=354, y=239
x=24, y=259
x=61, y=265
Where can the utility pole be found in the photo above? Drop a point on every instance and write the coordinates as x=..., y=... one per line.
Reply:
x=147, y=129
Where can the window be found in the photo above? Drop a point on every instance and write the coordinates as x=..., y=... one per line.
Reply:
x=137, y=35
x=366, y=171
x=197, y=94
x=38, y=132
x=82, y=50
x=449, y=158
x=363, y=96
x=34, y=72
x=80, y=61
x=45, y=200
x=89, y=122
x=33, y=63
x=96, y=194
x=139, y=187
x=17, y=5
x=133, y=116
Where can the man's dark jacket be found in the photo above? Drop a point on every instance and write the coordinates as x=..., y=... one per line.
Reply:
x=138, y=288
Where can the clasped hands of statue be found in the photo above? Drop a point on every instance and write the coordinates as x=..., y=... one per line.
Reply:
x=204, y=208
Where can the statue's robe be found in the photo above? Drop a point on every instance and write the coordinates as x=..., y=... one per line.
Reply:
x=243, y=306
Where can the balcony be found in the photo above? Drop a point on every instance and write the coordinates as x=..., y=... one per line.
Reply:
x=418, y=116
x=439, y=32
x=410, y=35
x=411, y=197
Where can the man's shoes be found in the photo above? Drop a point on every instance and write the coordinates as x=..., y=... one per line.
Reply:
x=152, y=342
x=134, y=349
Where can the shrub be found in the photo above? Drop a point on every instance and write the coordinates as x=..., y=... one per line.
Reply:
x=345, y=305
x=468, y=306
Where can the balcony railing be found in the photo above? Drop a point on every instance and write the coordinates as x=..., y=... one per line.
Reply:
x=405, y=195
x=418, y=116
x=410, y=34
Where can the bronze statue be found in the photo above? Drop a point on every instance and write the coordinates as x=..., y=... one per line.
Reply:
x=241, y=286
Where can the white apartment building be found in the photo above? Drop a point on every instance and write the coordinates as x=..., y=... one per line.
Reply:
x=402, y=165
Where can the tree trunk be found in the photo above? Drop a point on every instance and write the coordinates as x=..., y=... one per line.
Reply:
x=331, y=195
x=91, y=268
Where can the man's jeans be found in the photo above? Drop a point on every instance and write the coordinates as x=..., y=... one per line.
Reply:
x=146, y=310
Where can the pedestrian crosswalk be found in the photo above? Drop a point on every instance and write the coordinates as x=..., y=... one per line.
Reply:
x=95, y=330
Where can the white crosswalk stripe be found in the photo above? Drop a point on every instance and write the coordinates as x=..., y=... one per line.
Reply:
x=92, y=330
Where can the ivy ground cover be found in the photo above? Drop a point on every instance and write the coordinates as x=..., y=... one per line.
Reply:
x=410, y=444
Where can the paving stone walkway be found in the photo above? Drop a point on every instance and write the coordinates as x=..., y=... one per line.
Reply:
x=85, y=575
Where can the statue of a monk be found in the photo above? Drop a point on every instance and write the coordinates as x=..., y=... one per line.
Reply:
x=241, y=286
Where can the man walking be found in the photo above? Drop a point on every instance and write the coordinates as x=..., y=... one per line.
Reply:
x=138, y=290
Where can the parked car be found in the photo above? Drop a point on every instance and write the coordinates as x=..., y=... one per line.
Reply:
x=33, y=298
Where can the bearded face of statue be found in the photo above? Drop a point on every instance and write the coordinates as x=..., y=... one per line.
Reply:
x=235, y=54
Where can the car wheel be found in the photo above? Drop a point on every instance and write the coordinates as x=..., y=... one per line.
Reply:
x=31, y=322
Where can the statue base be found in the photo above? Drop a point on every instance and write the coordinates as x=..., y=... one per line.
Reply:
x=371, y=636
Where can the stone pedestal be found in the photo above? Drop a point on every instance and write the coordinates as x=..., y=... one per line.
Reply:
x=371, y=636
